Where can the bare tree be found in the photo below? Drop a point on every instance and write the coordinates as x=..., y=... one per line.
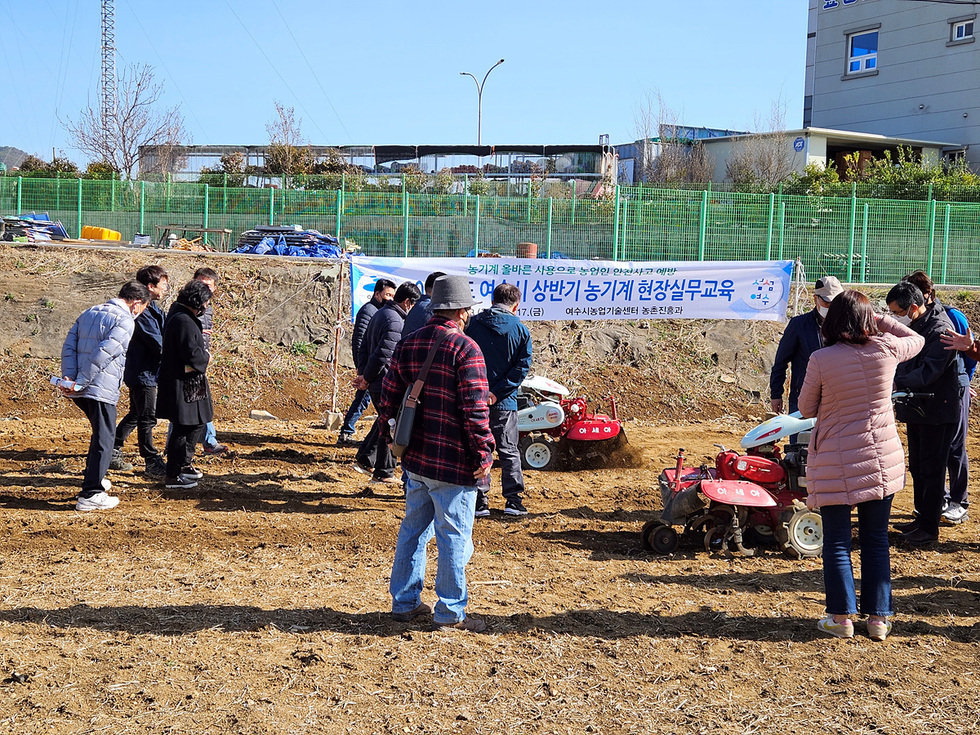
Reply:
x=288, y=153
x=667, y=155
x=762, y=160
x=137, y=136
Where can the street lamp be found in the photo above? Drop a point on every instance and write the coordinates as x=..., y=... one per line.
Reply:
x=479, y=96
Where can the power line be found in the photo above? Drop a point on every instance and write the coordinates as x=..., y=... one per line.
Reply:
x=171, y=77
x=299, y=48
x=298, y=99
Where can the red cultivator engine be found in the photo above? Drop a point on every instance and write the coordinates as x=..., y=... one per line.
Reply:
x=746, y=501
x=554, y=427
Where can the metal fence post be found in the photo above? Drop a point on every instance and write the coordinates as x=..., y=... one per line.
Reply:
x=224, y=196
x=551, y=203
x=772, y=216
x=112, y=195
x=405, y=215
x=703, y=229
x=142, y=205
x=272, y=205
x=79, y=207
x=529, y=200
x=932, y=234
x=340, y=207
x=573, y=201
x=850, y=243
x=782, y=227
x=476, y=228
x=20, y=190
x=864, y=245
x=207, y=202
x=616, y=227
x=57, y=192
x=945, y=241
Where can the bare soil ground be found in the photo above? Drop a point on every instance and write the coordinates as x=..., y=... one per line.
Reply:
x=256, y=603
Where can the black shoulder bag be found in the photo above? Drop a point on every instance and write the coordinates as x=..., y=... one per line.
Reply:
x=405, y=421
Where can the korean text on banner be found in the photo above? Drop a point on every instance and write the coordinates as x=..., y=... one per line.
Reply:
x=601, y=289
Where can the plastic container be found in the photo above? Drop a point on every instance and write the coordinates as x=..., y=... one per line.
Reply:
x=99, y=233
x=527, y=250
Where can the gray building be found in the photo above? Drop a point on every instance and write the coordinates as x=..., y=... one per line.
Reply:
x=897, y=68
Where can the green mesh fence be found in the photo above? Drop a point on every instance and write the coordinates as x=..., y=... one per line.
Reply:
x=858, y=239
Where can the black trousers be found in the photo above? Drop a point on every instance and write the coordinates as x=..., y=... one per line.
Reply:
x=142, y=416
x=503, y=426
x=181, y=446
x=384, y=460
x=929, y=446
x=102, y=417
x=958, y=464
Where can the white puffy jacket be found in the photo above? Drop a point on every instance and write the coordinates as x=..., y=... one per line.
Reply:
x=94, y=353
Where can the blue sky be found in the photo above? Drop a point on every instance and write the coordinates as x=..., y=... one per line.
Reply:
x=388, y=72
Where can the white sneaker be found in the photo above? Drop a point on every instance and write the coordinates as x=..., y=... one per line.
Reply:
x=99, y=501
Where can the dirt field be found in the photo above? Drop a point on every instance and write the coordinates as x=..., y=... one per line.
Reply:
x=256, y=603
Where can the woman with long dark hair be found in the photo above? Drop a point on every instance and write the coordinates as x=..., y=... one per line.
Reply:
x=856, y=459
x=184, y=396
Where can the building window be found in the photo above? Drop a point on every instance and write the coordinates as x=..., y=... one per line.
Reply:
x=962, y=30
x=862, y=52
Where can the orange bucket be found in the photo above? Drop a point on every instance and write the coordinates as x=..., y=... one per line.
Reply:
x=527, y=250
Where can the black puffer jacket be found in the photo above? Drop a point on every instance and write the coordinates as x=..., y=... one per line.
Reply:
x=934, y=370
x=383, y=335
x=364, y=316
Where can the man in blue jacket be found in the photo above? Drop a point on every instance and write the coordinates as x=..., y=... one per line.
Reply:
x=800, y=340
x=383, y=335
x=506, y=346
x=93, y=357
x=140, y=376
x=383, y=291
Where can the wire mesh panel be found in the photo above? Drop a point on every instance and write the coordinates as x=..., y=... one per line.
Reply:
x=853, y=238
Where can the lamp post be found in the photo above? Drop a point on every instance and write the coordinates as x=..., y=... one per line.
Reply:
x=479, y=97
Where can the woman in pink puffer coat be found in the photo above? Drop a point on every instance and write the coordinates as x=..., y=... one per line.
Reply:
x=855, y=456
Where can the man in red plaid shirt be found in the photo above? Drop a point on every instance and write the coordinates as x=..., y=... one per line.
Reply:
x=450, y=451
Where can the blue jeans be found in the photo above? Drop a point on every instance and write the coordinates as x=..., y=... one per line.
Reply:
x=358, y=406
x=838, y=575
x=446, y=511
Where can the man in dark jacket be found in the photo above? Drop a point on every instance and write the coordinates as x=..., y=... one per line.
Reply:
x=957, y=498
x=140, y=376
x=420, y=314
x=506, y=346
x=383, y=291
x=931, y=418
x=800, y=340
x=382, y=336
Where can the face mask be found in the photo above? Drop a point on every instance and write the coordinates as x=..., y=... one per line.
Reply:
x=906, y=320
x=822, y=311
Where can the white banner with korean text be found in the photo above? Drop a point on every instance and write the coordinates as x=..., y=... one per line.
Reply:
x=603, y=289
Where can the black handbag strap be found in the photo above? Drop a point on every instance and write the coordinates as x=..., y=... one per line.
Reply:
x=413, y=397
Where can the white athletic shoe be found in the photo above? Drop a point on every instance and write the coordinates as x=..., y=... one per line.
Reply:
x=99, y=501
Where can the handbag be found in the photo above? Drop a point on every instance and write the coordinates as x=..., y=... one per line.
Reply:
x=195, y=388
x=405, y=420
